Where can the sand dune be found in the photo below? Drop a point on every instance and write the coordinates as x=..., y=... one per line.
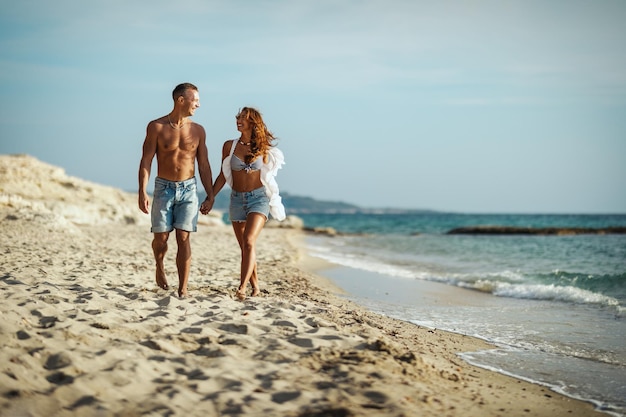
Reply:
x=86, y=332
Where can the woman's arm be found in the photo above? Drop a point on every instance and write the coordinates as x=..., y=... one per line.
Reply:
x=221, y=180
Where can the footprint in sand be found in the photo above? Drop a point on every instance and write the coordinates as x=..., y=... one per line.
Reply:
x=60, y=378
x=285, y=396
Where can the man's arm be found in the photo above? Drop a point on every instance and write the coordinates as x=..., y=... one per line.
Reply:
x=206, y=176
x=149, y=150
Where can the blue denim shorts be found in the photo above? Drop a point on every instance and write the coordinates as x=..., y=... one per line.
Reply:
x=174, y=205
x=244, y=203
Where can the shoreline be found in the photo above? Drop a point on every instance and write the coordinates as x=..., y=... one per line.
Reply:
x=513, y=326
x=359, y=286
x=327, y=272
x=312, y=265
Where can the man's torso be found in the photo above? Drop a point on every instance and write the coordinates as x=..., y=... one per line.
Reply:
x=177, y=150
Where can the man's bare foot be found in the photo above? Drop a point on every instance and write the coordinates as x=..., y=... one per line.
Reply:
x=241, y=295
x=183, y=294
x=161, y=281
x=255, y=291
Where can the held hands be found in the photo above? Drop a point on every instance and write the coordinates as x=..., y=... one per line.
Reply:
x=207, y=205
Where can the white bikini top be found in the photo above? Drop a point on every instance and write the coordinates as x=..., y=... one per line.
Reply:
x=236, y=164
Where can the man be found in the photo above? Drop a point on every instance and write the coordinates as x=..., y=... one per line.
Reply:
x=177, y=142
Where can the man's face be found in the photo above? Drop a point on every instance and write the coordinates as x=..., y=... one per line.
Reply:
x=191, y=101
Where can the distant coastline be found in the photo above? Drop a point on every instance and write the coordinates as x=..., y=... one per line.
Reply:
x=542, y=231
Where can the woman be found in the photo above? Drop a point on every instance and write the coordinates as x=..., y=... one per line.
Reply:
x=249, y=166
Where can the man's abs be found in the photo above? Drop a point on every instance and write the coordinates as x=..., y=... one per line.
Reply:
x=176, y=165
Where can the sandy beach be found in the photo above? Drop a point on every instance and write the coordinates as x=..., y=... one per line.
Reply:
x=86, y=332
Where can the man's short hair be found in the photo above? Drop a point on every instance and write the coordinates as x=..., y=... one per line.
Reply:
x=181, y=88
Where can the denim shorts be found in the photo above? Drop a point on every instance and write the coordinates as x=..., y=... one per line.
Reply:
x=174, y=205
x=244, y=203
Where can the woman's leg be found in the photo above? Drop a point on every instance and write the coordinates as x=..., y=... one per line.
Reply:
x=247, y=234
x=239, y=229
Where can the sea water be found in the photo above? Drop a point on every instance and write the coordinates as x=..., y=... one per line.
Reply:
x=554, y=306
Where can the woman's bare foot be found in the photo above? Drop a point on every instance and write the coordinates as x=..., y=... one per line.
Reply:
x=241, y=295
x=183, y=294
x=255, y=291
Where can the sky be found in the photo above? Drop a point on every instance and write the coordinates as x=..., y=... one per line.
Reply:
x=504, y=106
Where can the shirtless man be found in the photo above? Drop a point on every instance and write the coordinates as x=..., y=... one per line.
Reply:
x=177, y=142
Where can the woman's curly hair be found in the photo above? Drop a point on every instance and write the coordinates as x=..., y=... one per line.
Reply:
x=262, y=139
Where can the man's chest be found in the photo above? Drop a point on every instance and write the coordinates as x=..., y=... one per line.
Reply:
x=183, y=141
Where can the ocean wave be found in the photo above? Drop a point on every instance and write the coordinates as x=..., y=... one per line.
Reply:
x=516, y=285
x=614, y=284
x=542, y=292
x=513, y=284
x=356, y=262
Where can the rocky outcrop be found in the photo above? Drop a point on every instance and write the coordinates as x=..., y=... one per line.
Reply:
x=39, y=192
x=290, y=222
x=328, y=231
x=556, y=231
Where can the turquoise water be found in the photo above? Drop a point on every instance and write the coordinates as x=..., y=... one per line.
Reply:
x=554, y=305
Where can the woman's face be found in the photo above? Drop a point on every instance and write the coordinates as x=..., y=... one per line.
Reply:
x=243, y=124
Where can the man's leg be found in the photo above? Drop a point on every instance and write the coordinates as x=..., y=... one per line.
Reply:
x=183, y=260
x=159, y=248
